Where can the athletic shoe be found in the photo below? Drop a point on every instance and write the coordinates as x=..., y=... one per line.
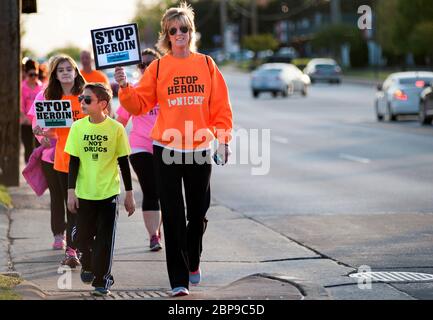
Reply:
x=100, y=292
x=155, y=243
x=59, y=242
x=179, y=292
x=195, y=277
x=71, y=259
x=87, y=276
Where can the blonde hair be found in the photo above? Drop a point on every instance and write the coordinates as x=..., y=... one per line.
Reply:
x=185, y=15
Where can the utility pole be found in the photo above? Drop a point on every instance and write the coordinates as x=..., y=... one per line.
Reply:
x=223, y=24
x=335, y=11
x=10, y=88
x=254, y=26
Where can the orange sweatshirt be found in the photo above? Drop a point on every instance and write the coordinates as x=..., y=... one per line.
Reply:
x=61, y=158
x=193, y=99
x=95, y=76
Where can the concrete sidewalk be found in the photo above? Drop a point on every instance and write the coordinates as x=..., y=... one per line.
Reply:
x=235, y=248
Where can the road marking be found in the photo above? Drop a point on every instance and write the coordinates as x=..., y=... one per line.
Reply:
x=354, y=158
x=280, y=139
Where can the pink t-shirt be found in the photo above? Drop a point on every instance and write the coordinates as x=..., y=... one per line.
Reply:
x=47, y=153
x=142, y=125
x=28, y=95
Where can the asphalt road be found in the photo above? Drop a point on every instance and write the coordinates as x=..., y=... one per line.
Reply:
x=335, y=180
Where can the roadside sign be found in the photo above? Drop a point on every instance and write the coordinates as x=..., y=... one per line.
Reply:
x=116, y=46
x=54, y=113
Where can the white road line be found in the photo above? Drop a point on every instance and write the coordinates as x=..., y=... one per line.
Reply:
x=354, y=158
x=280, y=139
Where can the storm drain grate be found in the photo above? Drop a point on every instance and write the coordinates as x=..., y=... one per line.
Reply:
x=128, y=295
x=393, y=276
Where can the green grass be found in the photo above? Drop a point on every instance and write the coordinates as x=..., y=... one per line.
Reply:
x=5, y=198
x=367, y=74
x=6, y=288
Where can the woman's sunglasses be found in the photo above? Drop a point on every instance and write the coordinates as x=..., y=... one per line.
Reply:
x=87, y=99
x=173, y=31
x=33, y=74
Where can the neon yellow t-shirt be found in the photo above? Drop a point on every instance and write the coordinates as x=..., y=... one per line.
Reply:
x=98, y=146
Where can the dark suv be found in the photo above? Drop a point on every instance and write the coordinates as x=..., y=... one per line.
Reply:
x=426, y=105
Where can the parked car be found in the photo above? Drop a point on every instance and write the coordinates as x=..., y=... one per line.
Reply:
x=323, y=70
x=277, y=78
x=426, y=105
x=132, y=74
x=283, y=55
x=400, y=94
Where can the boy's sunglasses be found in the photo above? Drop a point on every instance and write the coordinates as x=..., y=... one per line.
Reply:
x=173, y=31
x=87, y=99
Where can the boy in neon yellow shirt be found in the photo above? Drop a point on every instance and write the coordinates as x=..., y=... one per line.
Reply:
x=97, y=144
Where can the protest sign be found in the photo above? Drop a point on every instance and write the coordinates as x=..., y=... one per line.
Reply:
x=116, y=46
x=53, y=113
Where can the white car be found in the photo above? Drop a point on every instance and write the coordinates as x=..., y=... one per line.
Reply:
x=277, y=78
x=400, y=94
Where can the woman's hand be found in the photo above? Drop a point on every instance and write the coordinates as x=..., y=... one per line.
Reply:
x=120, y=76
x=221, y=155
x=129, y=202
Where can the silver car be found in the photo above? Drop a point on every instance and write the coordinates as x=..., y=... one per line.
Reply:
x=277, y=78
x=400, y=94
x=323, y=69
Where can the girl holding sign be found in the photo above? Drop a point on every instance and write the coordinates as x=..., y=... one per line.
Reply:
x=194, y=110
x=65, y=83
x=142, y=159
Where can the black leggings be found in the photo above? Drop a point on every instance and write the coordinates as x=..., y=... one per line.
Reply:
x=71, y=218
x=183, y=242
x=142, y=163
x=28, y=140
x=58, y=223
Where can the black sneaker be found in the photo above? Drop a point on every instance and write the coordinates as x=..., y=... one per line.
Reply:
x=87, y=276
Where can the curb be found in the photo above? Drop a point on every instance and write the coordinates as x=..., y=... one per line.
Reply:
x=310, y=290
x=260, y=286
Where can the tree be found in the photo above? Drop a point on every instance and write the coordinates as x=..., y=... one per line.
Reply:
x=72, y=51
x=421, y=40
x=398, y=26
x=260, y=42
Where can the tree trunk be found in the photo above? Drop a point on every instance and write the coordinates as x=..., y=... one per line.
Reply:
x=10, y=91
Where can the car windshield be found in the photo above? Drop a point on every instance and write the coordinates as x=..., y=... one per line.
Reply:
x=325, y=66
x=419, y=82
x=269, y=72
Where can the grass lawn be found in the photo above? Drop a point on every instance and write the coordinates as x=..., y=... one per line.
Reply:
x=6, y=286
x=367, y=74
x=5, y=199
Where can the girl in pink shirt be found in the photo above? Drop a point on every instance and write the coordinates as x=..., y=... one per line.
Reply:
x=141, y=159
x=30, y=87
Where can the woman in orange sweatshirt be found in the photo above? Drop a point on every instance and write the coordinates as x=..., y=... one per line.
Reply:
x=194, y=110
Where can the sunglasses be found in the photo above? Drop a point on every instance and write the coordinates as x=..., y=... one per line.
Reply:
x=87, y=99
x=33, y=74
x=173, y=31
